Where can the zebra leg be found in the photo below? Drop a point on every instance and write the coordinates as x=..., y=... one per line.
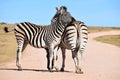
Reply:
x=21, y=46
x=76, y=61
x=49, y=59
x=18, y=58
x=63, y=59
x=55, y=57
x=47, y=56
x=24, y=45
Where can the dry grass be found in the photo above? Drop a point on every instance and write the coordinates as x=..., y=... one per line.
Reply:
x=110, y=39
x=7, y=44
x=93, y=29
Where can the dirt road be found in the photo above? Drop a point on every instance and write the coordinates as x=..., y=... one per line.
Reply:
x=100, y=62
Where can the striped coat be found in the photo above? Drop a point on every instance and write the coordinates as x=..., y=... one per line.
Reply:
x=75, y=39
x=48, y=37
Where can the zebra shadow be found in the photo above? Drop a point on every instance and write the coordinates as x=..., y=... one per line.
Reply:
x=37, y=70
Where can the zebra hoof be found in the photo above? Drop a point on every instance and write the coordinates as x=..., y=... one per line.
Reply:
x=79, y=72
x=62, y=70
x=57, y=69
x=19, y=68
x=51, y=70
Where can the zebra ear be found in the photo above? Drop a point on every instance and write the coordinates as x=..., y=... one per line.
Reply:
x=63, y=8
x=57, y=8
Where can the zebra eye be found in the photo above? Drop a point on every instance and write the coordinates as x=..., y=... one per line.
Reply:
x=54, y=20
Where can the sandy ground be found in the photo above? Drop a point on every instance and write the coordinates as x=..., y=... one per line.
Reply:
x=100, y=62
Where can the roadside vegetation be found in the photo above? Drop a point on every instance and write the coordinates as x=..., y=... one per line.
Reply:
x=93, y=29
x=110, y=39
x=7, y=44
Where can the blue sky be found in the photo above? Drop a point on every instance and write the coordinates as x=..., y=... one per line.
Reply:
x=92, y=12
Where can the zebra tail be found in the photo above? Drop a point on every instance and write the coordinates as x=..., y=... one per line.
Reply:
x=78, y=40
x=6, y=29
x=83, y=38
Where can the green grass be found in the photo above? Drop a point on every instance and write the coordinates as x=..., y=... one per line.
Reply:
x=7, y=44
x=110, y=39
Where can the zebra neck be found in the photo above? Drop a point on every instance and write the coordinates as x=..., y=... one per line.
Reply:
x=60, y=29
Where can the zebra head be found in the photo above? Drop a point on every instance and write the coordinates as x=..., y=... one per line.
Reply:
x=62, y=16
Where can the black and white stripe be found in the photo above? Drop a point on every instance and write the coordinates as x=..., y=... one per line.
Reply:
x=74, y=38
x=47, y=37
x=83, y=37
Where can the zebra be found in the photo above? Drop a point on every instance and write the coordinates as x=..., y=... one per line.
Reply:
x=74, y=38
x=48, y=37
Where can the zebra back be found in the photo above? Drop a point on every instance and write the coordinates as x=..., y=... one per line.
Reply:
x=40, y=36
x=75, y=36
